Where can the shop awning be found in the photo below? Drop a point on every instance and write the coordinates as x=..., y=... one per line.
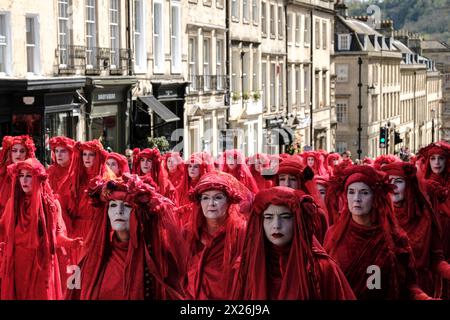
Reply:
x=161, y=110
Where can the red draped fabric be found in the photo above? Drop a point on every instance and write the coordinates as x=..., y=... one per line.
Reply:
x=241, y=171
x=264, y=163
x=176, y=176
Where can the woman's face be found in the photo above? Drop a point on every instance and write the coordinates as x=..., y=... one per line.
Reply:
x=194, y=171
x=214, y=204
x=26, y=180
x=278, y=225
x=437, y=163
x=172, y=164
x=288, y=180
x=88, y=158
x=399, y=192
x=322, y=191
x=18, y=153
x=146, y=165
x=360, y=198
x=310, y=161
x=119, y=215
x=114, y=166
x=62, y=156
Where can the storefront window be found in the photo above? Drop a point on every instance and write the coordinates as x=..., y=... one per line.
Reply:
x=105, y=129
x=30, y=124
x=58, y=124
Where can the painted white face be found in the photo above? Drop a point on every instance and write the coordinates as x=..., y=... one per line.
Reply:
x=146, y=165
x=194, y=170
x=119, y=215
x=278, y=225
x=114, y=166
x=360, y=198
x=62, y=156
x=310, y=161
x=26, y=180
x=214, y=204
x=322, y=191
x=288, y=180
x=172, y=164
x=88, y=158
x=18, y=153
x=437, y=163
x=399, y=192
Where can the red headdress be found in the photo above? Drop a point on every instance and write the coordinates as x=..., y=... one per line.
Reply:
x=384, y=159
x=155, y=243
x=63, y=142
x=264, y=163
x=331, y=158
x=440, y=148
x=7, y=143
x=318, y=162
x=121, y=161
x=368, y=161
x=241, y=172
x=303, y=173
x=253, y=281
x=152, y=154
x=176, y=176
x=38, y=233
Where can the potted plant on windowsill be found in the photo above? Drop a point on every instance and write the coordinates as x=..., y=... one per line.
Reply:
x=235, y=96
x=256, y=96
x=245, y=96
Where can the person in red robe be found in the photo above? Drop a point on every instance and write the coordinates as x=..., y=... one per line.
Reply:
x=174, y=166
x=31, y=229
x=292, y=173
x=368, y=161
x=417, y=218
x=215, y=237
x=314, y=160
x=136, y=250
x=117, y=163
x=89, y=161
x=435, y=183
x=257, y=164
x=384, y=159
x=331, y=161
x=372, y=250
x=62, y=150
x=282, y=260
x=14, y=149
x=147, y=165
x=233, y=162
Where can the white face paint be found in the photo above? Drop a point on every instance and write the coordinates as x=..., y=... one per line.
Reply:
x=322, y=191
x=88, y=158
x=26, y=180
x=194, y=170
x=288, y=180
x=18, y=153
x=437, y=163
x=62, y=156
x=113, y=165
x=278, y=225
x=399, y=192
x=172, y=164
x=119, y=215
x=214, y=204
x=310, y=161
x=360, y=198
x=146, y=165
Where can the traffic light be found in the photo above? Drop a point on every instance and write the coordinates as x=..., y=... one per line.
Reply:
x=397, y=138
x=383, y=133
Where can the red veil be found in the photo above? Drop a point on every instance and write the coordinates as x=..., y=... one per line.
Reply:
x=57, y=174
x=29, y=226
x=175, y=177
x=301, y=270
x=384, y=159
x=319, y=168
x=214, y=258
x=155, y=256
x=241, y=172
x=121, y=161
x=264, y=160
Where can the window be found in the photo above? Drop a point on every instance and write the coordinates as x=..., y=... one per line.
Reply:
x=140, y=58
x=280, y=86
x=246, y=71
x=344, y=42
x=158, y=36
x=255, y=71
x=375, y=108
x=290, y=100
x=263, y=85
x=324, y=89
x=192, y=48
x=324, y=35
x=341, y=146
x=317, y=90
x=317, y=34
x=245, y=10
x=342, y=72
x=64, y=36
x=5, y=45
x=255, y=15
x=272, y=87
x=298, y=98
x=235, y=64
x=114, y=33
x=297, y=29
x=280, y=22
x=306, y=31
x=32, y=33
x=219, y=3
x=176, y=36
x=342, y=111
x=206, y=64
x=91, y=35
x=272, y=20
x=219, y=65
x=263, y=19
x=235, y=9
x=289, y=29
x=306, y=84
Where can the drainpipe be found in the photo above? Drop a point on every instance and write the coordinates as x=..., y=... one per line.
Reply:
x=311, y=72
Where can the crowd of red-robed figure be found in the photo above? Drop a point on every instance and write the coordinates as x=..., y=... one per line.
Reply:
x=101, y=226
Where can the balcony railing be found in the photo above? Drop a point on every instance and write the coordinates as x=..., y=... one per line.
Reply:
x=207, y=83
x=71, y=58
x=97, y=59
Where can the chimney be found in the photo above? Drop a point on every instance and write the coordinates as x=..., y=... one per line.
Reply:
x=386, y=28
x=341, y=8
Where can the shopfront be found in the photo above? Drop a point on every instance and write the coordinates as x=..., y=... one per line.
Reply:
x=41, y=108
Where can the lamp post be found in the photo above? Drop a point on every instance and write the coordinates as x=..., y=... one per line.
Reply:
x=432, y=124
x=359, y=151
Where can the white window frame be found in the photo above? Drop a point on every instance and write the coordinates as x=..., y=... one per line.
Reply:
x=280, y=21
x=158, y=38
x=289, y=29
x=64, y=20
x=6, y=43
x=206, y=64
x=114, y=36
x=298, y=23
x=272, y=27
x=342, y=72
x=235, y=10
x=140, y=45
x=90, y=50
x=307, y=30
x=317, y=33
x=255, y=13
x=192, y=59
x=220, y=64
x=176, y=37
x=245, y=11
x=264, y=18
x=35, y=46
x=344, y=39
x=324, y=34
x=342, y=111
x=255, y=86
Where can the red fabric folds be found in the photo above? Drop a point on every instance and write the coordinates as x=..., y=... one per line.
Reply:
x=241, y=171
x=121, y=161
